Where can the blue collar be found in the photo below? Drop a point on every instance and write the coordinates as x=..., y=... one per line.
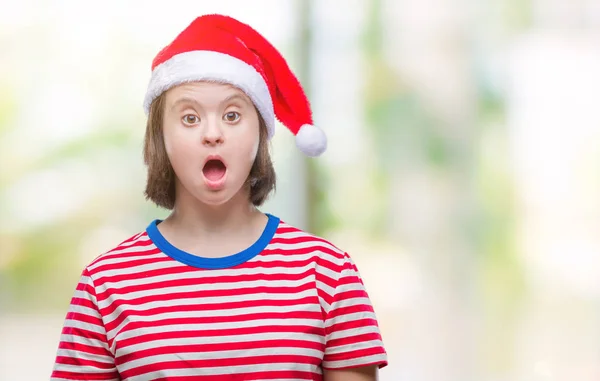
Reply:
x=213, y=263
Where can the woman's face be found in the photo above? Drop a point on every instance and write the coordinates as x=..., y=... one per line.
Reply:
x=211, y=134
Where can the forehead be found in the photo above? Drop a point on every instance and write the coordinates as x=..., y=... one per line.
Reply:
x=205, y=93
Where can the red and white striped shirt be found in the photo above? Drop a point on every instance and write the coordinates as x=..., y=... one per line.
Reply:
x=283, y=309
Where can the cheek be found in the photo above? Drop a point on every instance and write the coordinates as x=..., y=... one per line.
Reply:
x=170, y=150
x=254, y=150
x=245, y=146
x=177, y=145
x=168, y=147
x=168, y=140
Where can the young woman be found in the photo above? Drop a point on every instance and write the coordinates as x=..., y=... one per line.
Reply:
x=220, y=290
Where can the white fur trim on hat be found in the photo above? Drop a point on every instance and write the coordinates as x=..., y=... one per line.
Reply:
x=213, y=66
x=311, y=140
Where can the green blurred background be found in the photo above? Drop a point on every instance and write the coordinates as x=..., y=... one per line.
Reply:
x=463, y=169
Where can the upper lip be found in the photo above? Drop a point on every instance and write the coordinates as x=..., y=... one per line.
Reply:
x=214, y=157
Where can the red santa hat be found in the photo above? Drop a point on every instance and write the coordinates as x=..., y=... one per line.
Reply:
x=220, y=48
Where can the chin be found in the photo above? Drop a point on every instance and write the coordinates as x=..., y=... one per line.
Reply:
x=217, y=197
x=214, y=200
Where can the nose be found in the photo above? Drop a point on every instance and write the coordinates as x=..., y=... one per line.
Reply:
x=212, y=134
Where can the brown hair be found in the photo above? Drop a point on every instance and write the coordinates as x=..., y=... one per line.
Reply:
x=160, y=185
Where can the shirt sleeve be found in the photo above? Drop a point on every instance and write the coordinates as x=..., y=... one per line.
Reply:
x=83, y=351
x=353, y=337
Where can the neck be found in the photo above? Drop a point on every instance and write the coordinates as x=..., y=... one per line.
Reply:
x=201, y=220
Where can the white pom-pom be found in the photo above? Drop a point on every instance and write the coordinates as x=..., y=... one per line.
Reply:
x=311, y=140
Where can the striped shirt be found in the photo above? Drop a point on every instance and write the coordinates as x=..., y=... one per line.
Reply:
x=287, y=307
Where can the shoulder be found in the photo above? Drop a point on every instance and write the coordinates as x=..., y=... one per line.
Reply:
x=287, y=234
x=124, y=254
x=300, y=242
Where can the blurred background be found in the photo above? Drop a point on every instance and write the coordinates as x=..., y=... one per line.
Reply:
x=463, y=170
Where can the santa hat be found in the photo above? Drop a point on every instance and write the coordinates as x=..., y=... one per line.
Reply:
x=222, y=49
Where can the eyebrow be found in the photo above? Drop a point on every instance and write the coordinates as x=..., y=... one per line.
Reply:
x=229, y=99
x=234, y=97
x=183, y=101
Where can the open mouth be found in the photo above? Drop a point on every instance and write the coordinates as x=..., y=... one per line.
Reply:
x=214, y=170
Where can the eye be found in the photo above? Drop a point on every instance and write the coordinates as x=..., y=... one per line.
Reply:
x=190, y=119
x=231, y=117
